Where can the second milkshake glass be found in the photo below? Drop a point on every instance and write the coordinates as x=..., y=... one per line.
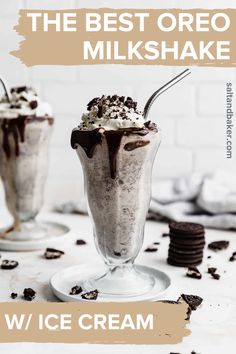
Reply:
x=26, y=125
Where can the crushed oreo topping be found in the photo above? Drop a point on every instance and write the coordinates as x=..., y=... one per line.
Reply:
x=112, y=107
x=165, y=234
x=29, y=294
x=194, y=301
x=33, y=104
x=151, y=249
x=19, y=89
x=75, y=290
x=91, y=295
x=102, y=103
x=80, y=242
x=52, y=253
x=193, y=272
x=218, y=245
x=9, y=264
x=233, y=257
x=15, y=106
x=14, y=295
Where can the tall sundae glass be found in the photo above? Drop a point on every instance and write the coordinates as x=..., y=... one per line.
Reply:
x=117, y=148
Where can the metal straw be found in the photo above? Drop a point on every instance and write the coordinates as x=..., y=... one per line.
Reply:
x=162, y=89
x=7, y=92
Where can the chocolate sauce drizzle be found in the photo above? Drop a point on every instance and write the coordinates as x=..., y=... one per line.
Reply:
x=15, y=127
x=136, y=144
x=113, y=138
x=88, y=139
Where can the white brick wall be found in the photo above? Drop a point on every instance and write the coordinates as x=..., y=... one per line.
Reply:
x=191, y=116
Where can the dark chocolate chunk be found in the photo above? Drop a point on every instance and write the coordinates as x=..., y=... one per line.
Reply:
x=22, y=98
x=80, y=242
x=211, y=270
x=15, y=106
x=215, y=276
x=33, y=104
x=165, y=234
x=9, y=264
x=218, y=245
x=21, y=89
x=193, y=301
x=193, y=272
x=29, y=294
x=233, y=257
x=91, y=295
x=52, y=253
x=18, y=89
x=151, y=249
x=117, y=254
x=14, y=295
x=75, y=290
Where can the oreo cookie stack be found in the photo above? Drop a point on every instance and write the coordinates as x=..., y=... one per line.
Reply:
x=187, y=241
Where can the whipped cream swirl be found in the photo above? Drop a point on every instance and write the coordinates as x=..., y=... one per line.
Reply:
x=112, y=113
x=24, y=101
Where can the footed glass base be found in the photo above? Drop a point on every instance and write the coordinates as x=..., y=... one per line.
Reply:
x=86, y=275
x=121, y=281
x=28, y=231
x=34, y=237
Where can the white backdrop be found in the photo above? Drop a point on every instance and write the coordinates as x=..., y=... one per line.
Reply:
x=191, y=116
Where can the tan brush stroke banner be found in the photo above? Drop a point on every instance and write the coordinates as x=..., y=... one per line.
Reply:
x=169, y=323
x=67, y=48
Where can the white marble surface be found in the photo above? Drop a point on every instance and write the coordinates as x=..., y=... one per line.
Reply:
x=213, y=326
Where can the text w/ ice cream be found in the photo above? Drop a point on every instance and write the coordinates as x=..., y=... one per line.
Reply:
x=86, y=321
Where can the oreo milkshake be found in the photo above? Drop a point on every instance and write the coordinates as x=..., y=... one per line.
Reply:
x=25, y=129
x=117, y=148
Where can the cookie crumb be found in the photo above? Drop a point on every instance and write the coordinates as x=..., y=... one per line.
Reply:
x=29, y=294
x=193, y=272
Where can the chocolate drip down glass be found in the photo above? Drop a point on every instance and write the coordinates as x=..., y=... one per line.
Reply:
x=117, y=166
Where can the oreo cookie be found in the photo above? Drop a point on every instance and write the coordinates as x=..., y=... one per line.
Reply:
x=186, y=228
x=52, y=253
x=187, y=245
x=189, y=251
x=185, y=264
x=91, y=295
x=193, y=301
x=187, y=241
x=218, y=245
x=9, y=264
x=193, y=272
